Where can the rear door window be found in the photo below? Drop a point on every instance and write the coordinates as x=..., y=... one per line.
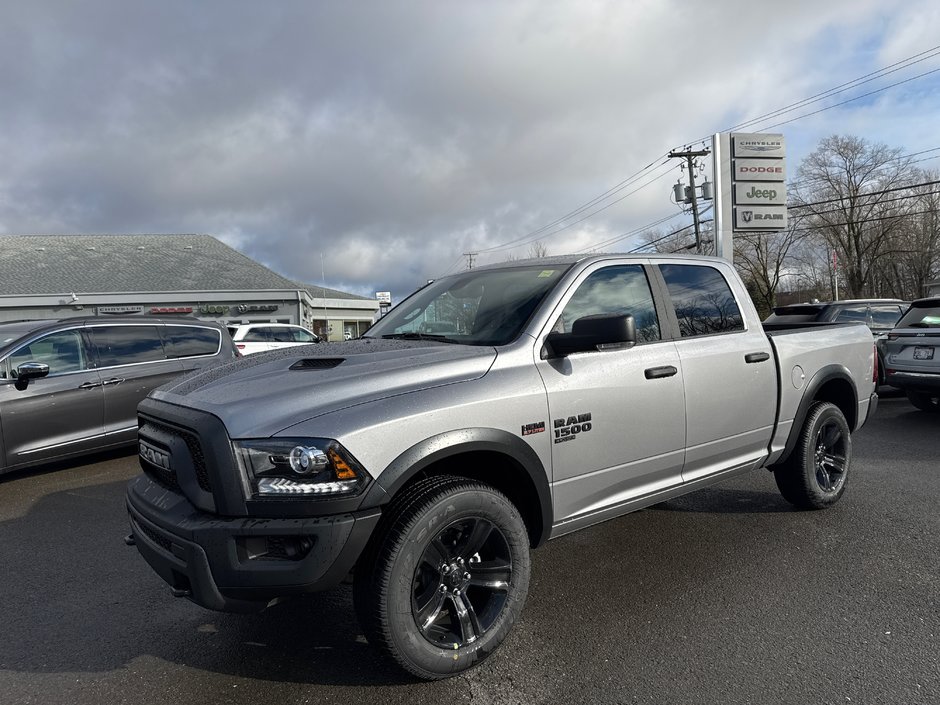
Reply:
x=191, y=341
x=303, y=336
x=853, y=314
x=703, y=300
x=127, y=345
x=257, y=335
x=883, y=316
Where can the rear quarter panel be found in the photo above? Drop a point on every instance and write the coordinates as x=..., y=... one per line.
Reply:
x=805, y=355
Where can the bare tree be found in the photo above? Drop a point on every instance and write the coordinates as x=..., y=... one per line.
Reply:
x=764, y=259
x=844, y=192
x=538, y=249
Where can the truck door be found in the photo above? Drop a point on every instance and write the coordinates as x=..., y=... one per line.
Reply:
x=730, y=373
x=617, y=416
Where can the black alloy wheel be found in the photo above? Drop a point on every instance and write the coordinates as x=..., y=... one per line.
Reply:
x=830, y=456
x=444, y=577
x=461, y=583
x=816, y=472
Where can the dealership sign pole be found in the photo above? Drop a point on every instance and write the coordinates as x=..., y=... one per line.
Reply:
x=750, y=186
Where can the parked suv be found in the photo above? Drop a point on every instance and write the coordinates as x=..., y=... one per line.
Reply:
x=72, y=386
x=912, y=354
x=880, y=315
x=257, y=337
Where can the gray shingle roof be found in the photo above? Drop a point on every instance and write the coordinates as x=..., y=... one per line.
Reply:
x=322, y=292
x=55, y=264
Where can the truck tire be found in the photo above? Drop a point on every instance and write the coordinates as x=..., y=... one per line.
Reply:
x=446, y=578
x=923, y=401
x=815, y=474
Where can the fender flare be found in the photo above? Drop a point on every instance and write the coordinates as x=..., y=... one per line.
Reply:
x=822, y=377
x=466, y=440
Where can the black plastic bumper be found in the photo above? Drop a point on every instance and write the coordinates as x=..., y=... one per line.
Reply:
x=926, y=383
x=242, y=564
x=872, y=406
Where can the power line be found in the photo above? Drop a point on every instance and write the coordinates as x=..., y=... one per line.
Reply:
x=844, y=102
x=876, y=203
x=509, y=246
x=865, y=220
x=841, y=88
x=869, y=193
x=854, y=83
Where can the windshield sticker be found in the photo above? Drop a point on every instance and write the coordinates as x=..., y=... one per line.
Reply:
x=568, y=429
x=546, y=273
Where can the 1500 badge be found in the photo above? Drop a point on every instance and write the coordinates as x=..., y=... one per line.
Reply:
x=568, y=429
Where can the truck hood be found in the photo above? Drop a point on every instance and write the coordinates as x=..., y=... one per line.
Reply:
x=259, y=395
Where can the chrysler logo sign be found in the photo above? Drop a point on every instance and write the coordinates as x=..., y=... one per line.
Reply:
x=155, y=456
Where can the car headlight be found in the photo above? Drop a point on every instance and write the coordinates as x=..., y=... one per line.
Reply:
x=313, y=468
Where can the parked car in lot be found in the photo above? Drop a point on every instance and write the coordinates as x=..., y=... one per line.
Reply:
x=72, y=386
x=257, y=337
x=912, y=354
x=880, y=315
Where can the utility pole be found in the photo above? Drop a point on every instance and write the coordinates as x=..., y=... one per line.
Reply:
x=469, y=256
x=690, y=156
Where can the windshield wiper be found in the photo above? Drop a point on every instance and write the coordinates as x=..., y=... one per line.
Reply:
x=421, y=336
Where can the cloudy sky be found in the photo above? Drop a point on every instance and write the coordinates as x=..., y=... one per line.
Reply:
x=371, y=144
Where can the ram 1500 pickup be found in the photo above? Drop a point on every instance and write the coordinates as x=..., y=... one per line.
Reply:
x=488, y=412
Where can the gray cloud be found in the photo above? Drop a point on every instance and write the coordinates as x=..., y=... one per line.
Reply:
x=390, y=138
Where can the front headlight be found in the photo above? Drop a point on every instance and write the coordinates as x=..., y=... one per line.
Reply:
x=313, y=468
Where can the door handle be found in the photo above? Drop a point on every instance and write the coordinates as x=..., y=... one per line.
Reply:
x=660, y=372
x=89, y=385
x=113, y=380
x=756, y=357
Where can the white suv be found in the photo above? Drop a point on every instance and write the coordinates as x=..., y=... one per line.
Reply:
x=257, y=337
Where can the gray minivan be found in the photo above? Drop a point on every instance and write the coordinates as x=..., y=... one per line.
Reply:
x=72, y=386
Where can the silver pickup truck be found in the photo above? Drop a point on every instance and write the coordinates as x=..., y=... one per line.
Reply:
x=487, y=413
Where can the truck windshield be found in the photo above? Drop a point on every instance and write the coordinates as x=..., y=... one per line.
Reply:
x=484, y=307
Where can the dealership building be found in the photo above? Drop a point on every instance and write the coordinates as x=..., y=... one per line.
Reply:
x=61, y=276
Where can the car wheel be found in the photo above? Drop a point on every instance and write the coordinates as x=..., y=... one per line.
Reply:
x=923, y=401
x=815, y=474
x=445, y=579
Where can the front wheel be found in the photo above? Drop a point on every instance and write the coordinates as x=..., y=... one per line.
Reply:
x=447, y=578
x=815, y=474
x=923, y=401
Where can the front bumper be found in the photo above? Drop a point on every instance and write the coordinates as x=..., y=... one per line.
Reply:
x=241, y=564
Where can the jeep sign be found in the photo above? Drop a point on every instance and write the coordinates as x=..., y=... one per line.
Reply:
x=760, y=194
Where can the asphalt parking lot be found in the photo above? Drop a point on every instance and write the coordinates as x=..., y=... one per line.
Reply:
x=724, y=596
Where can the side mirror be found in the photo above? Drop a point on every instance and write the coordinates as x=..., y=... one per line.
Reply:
x=30, y=370
x=590, y=332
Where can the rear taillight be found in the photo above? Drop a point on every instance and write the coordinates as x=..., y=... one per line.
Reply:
x=240, y=346
x=874, y=364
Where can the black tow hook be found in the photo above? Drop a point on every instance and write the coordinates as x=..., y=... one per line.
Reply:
x=129, y=540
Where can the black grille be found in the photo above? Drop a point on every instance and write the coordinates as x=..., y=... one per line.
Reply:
x=317, y=363
x=164, y=477
x=161, y=541
x=195, y=452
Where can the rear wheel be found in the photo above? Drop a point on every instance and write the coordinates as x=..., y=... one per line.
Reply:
x=446, y=578
x=923, y=400
x=815, y=474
